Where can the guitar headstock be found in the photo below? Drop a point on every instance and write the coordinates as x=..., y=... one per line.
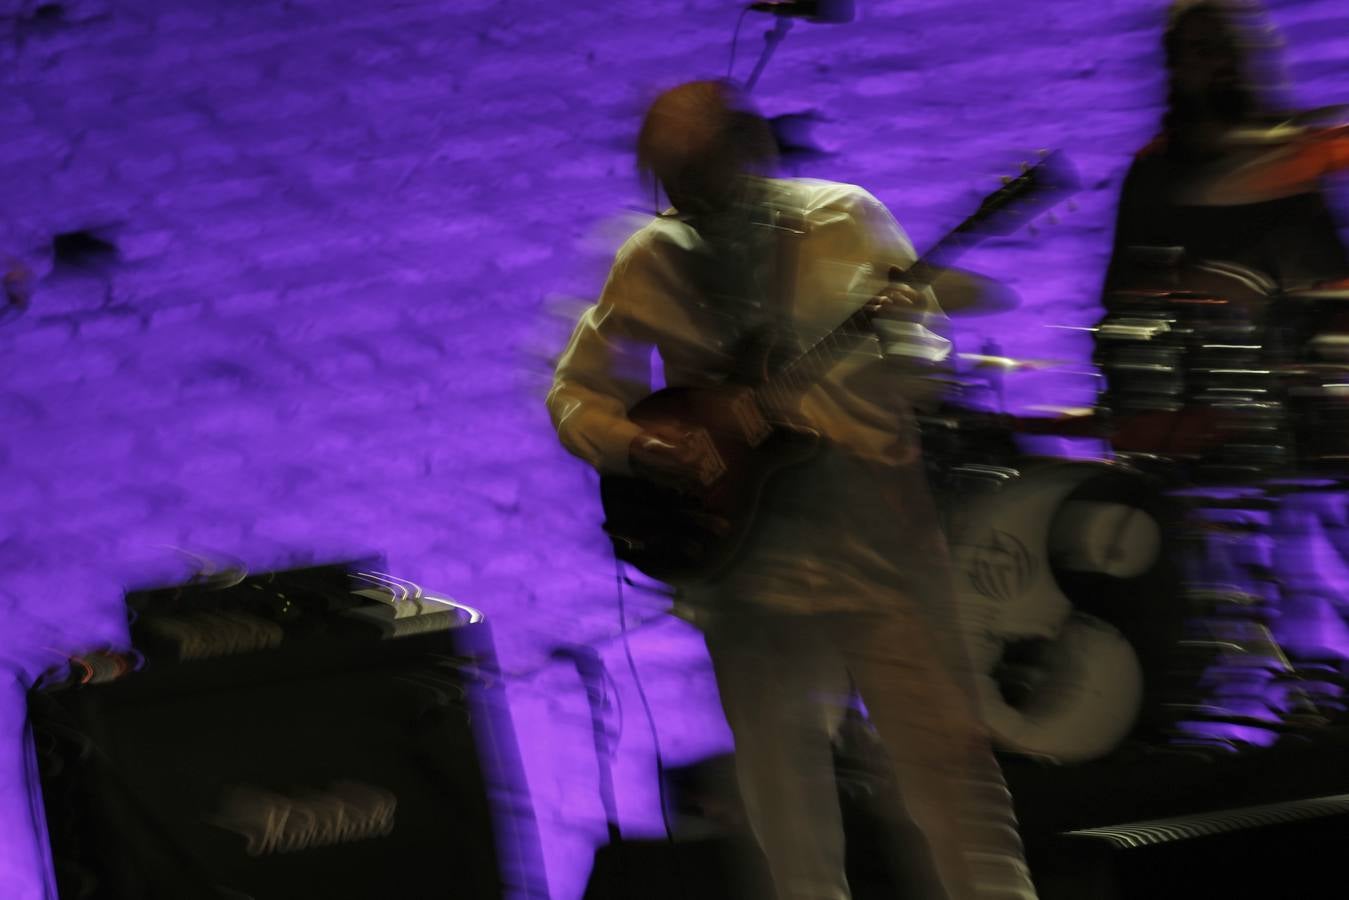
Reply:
x=1022, y=196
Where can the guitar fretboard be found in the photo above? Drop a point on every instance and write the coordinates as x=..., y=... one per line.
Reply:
x=793, y=378
x=787, y=383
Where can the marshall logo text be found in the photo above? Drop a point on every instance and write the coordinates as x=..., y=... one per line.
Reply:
x=276, y=823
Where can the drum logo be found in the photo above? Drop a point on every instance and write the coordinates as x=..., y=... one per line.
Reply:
x=1001, y=567
x=277, y=823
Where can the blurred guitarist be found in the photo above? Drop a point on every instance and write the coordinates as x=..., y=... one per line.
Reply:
x=844, y=585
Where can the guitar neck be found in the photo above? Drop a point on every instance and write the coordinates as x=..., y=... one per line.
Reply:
x=1050, y=175
x=794, y=377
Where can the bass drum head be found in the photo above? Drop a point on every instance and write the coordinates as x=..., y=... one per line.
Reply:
x=1070, y=604
x=1100, y=539
x=1071, y=699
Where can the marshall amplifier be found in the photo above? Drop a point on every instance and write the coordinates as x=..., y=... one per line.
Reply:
x=324, y=733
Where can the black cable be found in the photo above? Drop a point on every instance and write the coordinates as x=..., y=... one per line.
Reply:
x=735, y=39
x=611, y=690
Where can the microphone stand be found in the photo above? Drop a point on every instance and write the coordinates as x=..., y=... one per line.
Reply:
x=781, y=26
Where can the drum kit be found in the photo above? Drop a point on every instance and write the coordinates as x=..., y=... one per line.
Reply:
x=1180, y=592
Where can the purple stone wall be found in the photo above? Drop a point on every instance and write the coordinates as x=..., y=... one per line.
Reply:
x=351, y=235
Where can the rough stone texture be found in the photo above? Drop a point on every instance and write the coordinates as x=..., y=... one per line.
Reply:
x=352, y=236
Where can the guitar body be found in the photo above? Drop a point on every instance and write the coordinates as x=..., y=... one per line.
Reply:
x=688, y=536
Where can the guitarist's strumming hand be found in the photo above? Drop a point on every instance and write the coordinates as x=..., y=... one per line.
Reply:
x=673, y=457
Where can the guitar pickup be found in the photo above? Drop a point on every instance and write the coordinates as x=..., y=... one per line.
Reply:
x=750, y=419
x=713, y=466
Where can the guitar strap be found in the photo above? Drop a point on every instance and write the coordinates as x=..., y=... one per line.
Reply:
x=789, y=229
x=752, y=273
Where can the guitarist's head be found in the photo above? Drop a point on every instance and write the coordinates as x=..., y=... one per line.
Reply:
x=699, y=141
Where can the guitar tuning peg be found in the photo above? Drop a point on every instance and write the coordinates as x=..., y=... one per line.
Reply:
x=1025, y=167
x=1042, y=152
x=1006, y=180
x=1052, y=219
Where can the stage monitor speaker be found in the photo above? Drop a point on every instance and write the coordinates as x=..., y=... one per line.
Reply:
x=1288, y=849
x=290, y=735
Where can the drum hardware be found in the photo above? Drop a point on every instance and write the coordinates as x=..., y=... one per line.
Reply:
x=1327, y=685
x=1236, y=380
x=1222, y=723
x=1245, y=711
x=1000, y=363
x=1219, y=665
x=1246, y=498
x=1186, y=685
x=1311, y=333
x=1249, y=680
x=988, y=475
x=1204, y=746
x=965, y=451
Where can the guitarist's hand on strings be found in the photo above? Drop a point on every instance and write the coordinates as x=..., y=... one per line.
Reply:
x=896, y=298
x=670, y=456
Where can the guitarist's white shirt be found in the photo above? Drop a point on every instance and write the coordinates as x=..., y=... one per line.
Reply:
x=825, y=537
x=651, y=300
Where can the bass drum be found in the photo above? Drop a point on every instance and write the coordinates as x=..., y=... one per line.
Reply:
x=1069, y=602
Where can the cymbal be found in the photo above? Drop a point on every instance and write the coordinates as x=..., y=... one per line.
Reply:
x=1006, y=363
x=1291, y=162
x=962, y=293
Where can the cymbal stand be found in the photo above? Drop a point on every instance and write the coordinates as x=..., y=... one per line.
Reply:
x=773, y=37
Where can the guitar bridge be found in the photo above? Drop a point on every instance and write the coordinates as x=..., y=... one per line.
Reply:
x=713, y=466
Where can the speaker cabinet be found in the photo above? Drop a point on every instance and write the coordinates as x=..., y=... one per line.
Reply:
x=289, y=735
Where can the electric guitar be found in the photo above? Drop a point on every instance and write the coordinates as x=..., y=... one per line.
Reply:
x=693, y=534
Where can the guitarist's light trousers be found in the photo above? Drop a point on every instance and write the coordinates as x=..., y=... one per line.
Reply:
x=846, y=587
x=785, y=680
